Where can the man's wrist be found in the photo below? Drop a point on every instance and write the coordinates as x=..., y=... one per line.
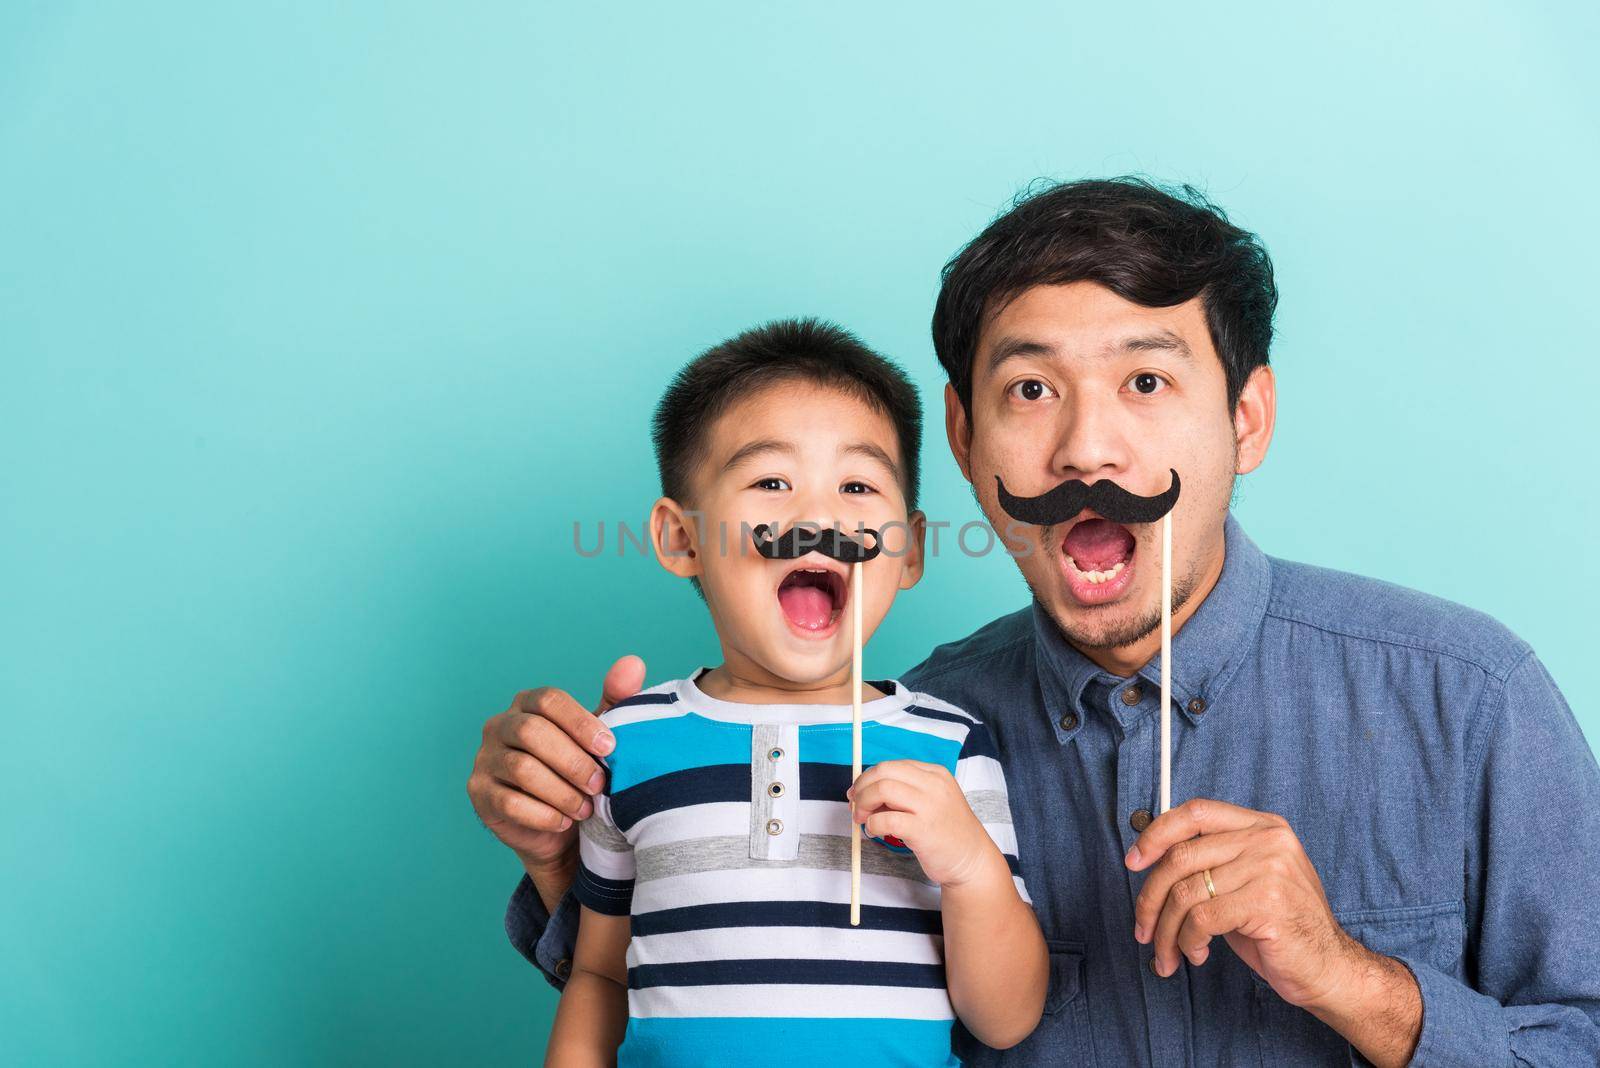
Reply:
x=1375, y=1003
x=552, y=878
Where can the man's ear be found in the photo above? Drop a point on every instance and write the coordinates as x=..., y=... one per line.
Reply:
x=912, y=560
x=958, y=429
x=675, y=537
x=1253, y=418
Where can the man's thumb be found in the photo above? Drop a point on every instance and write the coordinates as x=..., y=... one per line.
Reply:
x=625, y=679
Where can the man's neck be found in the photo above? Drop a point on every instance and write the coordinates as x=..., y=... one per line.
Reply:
x=1125, y=660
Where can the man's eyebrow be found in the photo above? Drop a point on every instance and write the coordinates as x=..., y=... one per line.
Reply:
x=751, y=449
x=871, y=452
x=1165, y=341
x=1008, y=348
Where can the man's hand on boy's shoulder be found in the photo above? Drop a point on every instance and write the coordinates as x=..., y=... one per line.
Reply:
x=536, y=770
x=922, y=805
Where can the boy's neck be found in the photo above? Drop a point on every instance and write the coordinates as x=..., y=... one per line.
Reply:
x=747, y=683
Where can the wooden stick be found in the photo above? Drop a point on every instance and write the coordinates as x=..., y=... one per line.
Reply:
x=1166, y=662
x=855, y=741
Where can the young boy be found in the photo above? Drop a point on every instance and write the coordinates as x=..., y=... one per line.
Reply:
x=715, y=872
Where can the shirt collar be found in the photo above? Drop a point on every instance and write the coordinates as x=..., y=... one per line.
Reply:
x=1206, y=650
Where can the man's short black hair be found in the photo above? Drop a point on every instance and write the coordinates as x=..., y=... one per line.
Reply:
x=1151, y=245
x=786, y=350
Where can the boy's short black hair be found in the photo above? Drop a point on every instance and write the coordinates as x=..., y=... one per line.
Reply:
x=1152, y=245
x=785, y=350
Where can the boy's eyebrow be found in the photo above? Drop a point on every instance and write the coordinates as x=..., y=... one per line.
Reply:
x=752, y=449
x=871, y=452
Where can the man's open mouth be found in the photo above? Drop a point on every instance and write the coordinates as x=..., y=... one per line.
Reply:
x=1097, y=559
x=812, y=597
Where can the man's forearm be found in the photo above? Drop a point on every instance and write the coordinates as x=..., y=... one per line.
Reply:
x=552, y=879
x=1376, y=1006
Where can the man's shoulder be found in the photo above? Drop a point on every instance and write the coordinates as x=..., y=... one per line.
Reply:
x=1009, y=636
x=1363, y=608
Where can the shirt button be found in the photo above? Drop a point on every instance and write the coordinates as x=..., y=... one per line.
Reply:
x=775, y=790
x=1198, y=705
x=775, y=754
x=1131, y=695
x=1069, y=721
x=774, y=827
x=1140, y=819
x=563, y=969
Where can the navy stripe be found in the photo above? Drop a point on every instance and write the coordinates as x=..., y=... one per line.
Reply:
x=979, y=743
x=784, y=914
x=786, y=971
x=691, y=786
x=613, y=897
x=666, y=698
x=714, y=783
x=939, y=713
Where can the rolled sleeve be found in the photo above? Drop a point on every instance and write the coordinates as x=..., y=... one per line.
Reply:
x=545, y=939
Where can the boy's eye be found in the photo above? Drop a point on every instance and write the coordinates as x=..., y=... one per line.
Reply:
x=1031, y=389
x=774, y=483
x=856, y=487
x=1147, y=383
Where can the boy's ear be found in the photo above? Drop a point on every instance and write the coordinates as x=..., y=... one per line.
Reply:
x=958, y=428
x=911, y=563
x=675, y=535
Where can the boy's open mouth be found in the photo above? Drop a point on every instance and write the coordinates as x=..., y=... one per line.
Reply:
x=1097, y=559
x=812, y=596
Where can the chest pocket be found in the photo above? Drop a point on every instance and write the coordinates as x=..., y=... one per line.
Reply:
x=1062, y=1036
x=1432, y=934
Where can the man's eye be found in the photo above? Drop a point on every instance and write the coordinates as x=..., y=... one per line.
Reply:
x=1147, y=383
x=856, y=487
x=1031, y=389
x=775, y=484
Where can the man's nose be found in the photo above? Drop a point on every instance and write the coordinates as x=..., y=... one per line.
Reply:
x=1091, y=442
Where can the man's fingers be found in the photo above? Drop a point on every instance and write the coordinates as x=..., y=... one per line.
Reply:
x=575, y=721
x=1198, y=816
x=1183, y=859
x=1186, y=894
x=1218, y=916
x=554, y=748
x=516, y=807
x=624, y=679
x=525, y=772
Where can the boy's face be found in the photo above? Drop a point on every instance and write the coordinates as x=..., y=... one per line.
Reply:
x=794, y=452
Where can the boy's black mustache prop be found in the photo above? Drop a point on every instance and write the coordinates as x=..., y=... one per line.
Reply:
x=1104, y=497
x=805, y=538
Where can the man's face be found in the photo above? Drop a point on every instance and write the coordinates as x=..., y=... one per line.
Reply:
x=794, y=453
x=1074, y=382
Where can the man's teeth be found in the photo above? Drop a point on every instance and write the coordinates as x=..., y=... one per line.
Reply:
x=1098, y=577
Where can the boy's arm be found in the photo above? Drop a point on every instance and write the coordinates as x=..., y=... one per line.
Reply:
x=996, y=964
x=593, y=1013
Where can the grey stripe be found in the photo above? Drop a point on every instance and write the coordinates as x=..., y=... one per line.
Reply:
x=825, y=852
x=604, y=835
x=990, y=806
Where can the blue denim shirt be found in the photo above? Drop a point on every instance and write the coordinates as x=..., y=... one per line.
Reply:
x=1424, y=756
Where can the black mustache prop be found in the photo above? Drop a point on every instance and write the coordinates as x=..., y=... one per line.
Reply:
x=1104, y=497
x=803, y=538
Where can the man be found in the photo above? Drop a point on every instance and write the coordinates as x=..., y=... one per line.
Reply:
x=1393, y=819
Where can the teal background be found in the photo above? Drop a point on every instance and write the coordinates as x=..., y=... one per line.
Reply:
x=319, y=329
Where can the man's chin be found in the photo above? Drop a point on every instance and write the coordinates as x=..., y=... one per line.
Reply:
x=1103, y=627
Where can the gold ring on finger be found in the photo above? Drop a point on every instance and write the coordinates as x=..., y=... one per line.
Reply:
x=1211, y=887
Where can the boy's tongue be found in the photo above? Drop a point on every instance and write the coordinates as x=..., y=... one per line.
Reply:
x=809, y=607
x=1097, y=544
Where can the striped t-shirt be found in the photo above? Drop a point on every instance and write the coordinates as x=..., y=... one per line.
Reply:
x=724, y=833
